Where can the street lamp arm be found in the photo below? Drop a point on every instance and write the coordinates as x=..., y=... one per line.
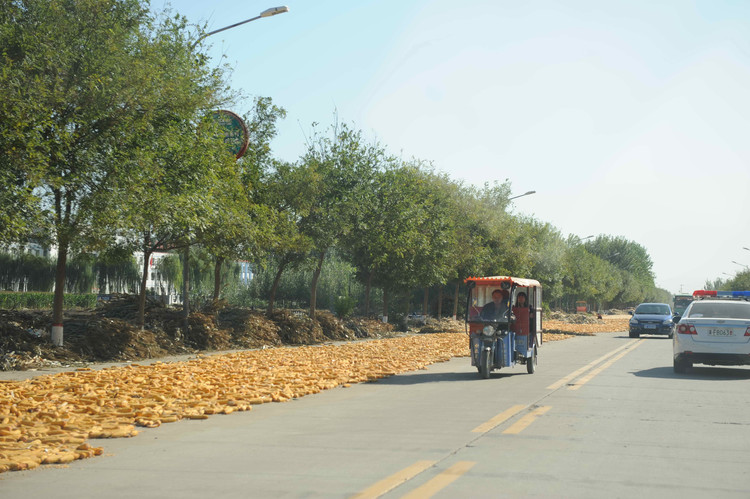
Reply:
x=266, y=13
x=522, y=195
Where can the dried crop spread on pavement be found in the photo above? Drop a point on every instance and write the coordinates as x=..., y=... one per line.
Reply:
x=49, y=419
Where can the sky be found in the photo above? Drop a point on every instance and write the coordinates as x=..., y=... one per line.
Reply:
x=628, y=118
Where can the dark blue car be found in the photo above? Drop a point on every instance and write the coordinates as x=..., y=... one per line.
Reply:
x=652, y=318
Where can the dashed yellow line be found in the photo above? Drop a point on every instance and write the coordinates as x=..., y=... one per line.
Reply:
x=525, y=421
x=585, y=379
x=575, y=374
x=500, y=418
x=441, y=481
x=393, y=481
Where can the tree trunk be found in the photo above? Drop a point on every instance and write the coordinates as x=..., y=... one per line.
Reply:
x=314, y=285
x=367, y=294
x=455, y=301
x=440, y=302
x=385, y=306
x=56, y=335
x=217, y=277
x=186, y=291
x=426, y=303
x=275, y=286
x=142, y=294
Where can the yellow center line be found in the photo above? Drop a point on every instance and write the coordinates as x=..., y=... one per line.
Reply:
x=574, y=374
x=393, y=481
x=441, y=481
x=578, y=384
x=525, y=421
x=500, y=418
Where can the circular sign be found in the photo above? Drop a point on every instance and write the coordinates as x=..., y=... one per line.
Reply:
x=236, y=135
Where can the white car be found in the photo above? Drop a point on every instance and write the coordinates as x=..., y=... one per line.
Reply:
x=714, y=330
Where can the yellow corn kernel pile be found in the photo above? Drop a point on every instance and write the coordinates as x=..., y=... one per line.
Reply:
x=49, y=419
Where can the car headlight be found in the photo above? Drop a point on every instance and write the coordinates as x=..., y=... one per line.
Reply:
x=634, y=322
x=488, y=330
x=667, y=322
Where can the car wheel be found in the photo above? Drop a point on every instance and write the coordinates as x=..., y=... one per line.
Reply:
x=680, y=366
x=633, y=334
x=671, y=334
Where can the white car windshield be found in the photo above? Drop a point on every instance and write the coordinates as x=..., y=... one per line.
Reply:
x=726, y=310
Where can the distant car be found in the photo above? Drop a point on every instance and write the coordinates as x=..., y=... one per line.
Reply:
x=651, y=318
x=714, y=330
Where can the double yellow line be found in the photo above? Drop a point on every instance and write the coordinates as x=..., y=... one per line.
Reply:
x=613, y=357
x=430, y=488
x=449, y=475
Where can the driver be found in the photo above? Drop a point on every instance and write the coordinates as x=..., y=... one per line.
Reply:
x=497, y=309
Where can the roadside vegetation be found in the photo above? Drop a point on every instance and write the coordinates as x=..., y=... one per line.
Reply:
x=107, y=152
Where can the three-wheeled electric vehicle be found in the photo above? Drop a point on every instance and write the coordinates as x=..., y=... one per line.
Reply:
x=504, y=322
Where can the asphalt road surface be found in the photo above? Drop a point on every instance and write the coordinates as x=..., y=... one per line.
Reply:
x=603, y=416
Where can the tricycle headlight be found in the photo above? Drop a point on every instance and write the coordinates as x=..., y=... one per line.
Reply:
x=488, y=330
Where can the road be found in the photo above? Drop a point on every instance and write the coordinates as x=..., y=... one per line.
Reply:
x=603, y=416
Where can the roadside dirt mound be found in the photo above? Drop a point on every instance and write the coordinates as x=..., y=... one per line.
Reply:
x=370, y=328
x=249, y=328
x=444, y=325
x=333, y=328
x=297, y=329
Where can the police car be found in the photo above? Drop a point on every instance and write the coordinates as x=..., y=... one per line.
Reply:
x=714, y=330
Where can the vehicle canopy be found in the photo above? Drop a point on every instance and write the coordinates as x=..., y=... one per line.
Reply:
x=481, y=289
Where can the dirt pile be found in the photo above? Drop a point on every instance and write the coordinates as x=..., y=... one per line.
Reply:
x=110, y=333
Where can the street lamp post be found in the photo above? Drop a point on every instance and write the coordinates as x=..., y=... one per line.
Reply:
x=527, y=193
x=185, y=284
x=740, y=264
x=266, y=13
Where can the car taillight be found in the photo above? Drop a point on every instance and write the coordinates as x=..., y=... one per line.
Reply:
x=690, y=329
x=747, y=331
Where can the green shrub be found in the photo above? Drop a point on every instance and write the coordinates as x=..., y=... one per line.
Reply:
x=44, y=301
x=343, y=306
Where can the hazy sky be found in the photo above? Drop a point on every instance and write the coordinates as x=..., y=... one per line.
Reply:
x=629, y=118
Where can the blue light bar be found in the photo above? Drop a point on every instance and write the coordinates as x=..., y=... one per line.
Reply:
x=733, y=293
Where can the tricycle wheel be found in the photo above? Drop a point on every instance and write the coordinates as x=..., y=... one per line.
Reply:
x=531, y=362
x=484, y=364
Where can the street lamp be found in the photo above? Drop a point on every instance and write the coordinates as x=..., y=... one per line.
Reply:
x=266, y=13
x=522, y=195
x=746, y=248
x=740, y=264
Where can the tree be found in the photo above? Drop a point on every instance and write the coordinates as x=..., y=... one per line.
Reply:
x=289, y=192
x=241, y=226
x=341, y=170
x=86, y=81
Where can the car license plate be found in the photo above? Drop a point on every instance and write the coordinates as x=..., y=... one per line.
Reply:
x=650, y=326
x=720, y=332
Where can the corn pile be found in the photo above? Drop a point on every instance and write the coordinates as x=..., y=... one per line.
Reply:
x=606, y=325
x=49, y=419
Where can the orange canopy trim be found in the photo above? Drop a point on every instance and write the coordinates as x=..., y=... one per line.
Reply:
x=497, y=279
